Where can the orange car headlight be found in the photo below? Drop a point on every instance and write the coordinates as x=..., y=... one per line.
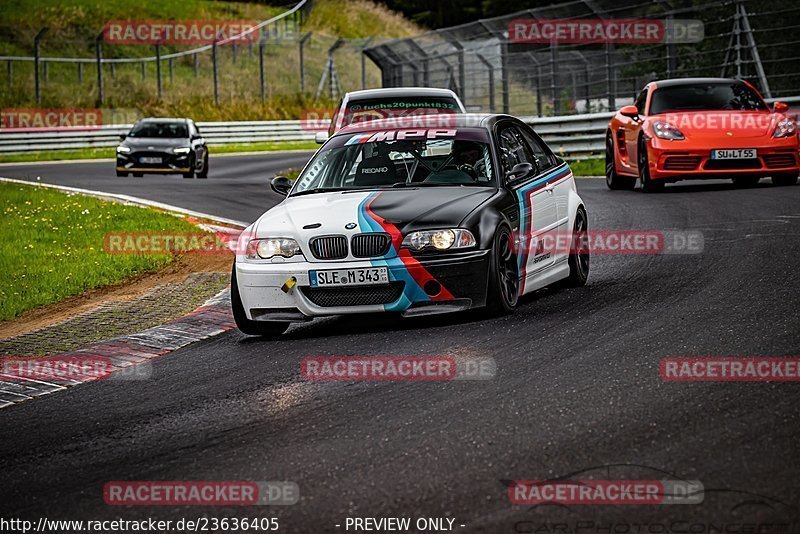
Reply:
x=785, y=128
x=665, y=130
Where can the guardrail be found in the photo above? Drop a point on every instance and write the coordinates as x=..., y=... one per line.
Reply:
x=572, y=136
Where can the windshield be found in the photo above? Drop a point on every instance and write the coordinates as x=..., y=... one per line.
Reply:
x=159, y=129
x=400, y=158
x=364, y=110
x=732, y=96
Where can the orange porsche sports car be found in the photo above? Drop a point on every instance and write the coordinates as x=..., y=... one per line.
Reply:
x=696, y=128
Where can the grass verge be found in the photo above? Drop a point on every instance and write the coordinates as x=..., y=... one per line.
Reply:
x=52, y=245
x=106, y=153
x=588, y=167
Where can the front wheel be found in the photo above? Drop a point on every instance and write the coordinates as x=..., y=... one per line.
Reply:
x=503, y=290
x=247, y=326
x=648, y=185
x=579, y=253
x=202, y=170
x=121, y=174
x=613, y=179
x=785, y=178
x=138, y=174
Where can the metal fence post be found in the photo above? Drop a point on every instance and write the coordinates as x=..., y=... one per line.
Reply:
x=302, y=43
x=99, y=54
x=504, y=66
x=364, y=63
x=37, y=82
x=233, y=52
x=80, y=72
x=196, y=65
x=554, y=78
x=171, y=70
x=490, y=68
x=158, y=69
x=113, y=70
x=611, y=85
x=144, y=71
x=216, y=74
x=10, y=72
x=261, y=71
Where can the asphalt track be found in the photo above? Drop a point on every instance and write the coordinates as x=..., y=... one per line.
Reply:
x=577, y=390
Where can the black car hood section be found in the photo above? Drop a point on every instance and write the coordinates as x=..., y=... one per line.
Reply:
x=429, y=207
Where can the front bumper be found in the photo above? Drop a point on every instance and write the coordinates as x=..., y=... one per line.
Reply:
x=170, y=163
x=672, y=161
x=462, y=277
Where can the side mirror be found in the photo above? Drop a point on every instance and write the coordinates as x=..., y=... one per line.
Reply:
x=630, y=111
x=195, y=137
x=281, y=185
x=122, y=137
x=321, y=137
x=780, y=107
x=520, y=170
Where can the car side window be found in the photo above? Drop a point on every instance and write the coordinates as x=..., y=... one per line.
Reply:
x=513, y=149
x=192, y=130
x=541, y=154
x=640, y=102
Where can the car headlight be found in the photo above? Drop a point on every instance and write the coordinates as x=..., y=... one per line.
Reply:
x=665, y=130
x=123, y=149
x=446, y=239
x=181, y=150
x=785, y=128
x=268, y=248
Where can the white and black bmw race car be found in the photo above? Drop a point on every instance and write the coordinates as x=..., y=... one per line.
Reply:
x=416, y=221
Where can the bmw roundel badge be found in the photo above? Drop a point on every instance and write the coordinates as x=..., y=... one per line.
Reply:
x=350, y=226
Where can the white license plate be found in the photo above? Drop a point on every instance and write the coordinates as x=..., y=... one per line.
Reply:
x=349, y=277
x=150, y=160
x=734, y=153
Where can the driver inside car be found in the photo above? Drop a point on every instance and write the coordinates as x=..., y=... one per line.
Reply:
x=465, y=166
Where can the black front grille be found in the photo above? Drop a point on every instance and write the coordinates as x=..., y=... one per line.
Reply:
x=331, y=247
x=780, y=160
x=681, y=163
x=329, y=297
x=732, y=164
x=370, y=245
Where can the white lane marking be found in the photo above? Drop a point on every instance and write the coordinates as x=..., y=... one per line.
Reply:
x=116, y=197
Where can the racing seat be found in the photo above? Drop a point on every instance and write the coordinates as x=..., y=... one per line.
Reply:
x=377, y=170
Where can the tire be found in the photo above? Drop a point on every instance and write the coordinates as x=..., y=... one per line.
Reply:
x=648, y=185
x=138, y=174
x=503, y=286
x=247, y=326
x=579, y=254
x=613, y=179
x=203, y=173
x=746, y=181
x=785, y=178
x=121, y=174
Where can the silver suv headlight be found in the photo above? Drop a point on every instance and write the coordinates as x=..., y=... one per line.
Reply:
x=181, y=150
x=123, y=149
